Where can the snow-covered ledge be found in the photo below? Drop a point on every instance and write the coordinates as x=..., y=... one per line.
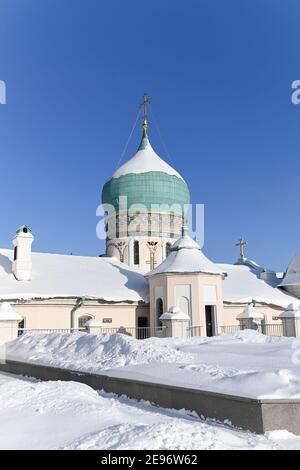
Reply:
x=176, y=323
x=9, y=321
x=291, y=321
x=249, y=318
x=93, y=327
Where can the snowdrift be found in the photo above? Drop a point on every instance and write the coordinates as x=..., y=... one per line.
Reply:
x=245, y=363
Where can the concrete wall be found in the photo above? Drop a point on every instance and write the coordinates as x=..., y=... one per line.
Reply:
x=231, y=312
x=255, y=415
x=56, y=313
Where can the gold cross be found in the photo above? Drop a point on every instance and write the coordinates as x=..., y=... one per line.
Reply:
x=241, y=243
x=146, y=101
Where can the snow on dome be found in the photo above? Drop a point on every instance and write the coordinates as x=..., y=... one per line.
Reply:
x=292, y=311
x=185, y=242
x=174, y=313
x=148, y=181
x=8, y=313
x=144, y=161
x=186, y=257
x=250, y=312
x=174, y=309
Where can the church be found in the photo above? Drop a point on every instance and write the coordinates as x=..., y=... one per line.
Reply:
x=151, y=265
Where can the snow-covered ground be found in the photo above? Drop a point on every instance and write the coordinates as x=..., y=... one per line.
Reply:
x=246, y=363
x=70, y=415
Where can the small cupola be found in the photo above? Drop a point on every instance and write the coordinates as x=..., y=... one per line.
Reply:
x=22, y=253
x=191, y=282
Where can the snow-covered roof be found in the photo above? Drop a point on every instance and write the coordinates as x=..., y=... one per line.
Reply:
x=145, y=160
x=186, y=257
x=185, y=242
x=56, y=275
x=269, y=276
x=252, y=264
x=242, y=285
x=8, y=313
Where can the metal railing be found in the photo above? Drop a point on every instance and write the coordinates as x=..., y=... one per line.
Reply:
x=135, y=332
x=50, y=330
x=271, y=329
x=194, y=331
x=229, y=329
x=138, y=332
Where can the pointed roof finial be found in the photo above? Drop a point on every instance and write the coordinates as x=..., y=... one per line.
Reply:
x=146, y=101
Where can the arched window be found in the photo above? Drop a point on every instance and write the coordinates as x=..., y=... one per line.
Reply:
x=159, y=311
x=82, y=320
x=184, y=304
x=168, y=247
x=136, y=253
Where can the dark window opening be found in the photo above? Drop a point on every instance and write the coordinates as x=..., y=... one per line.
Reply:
x=136, y=252
x=159, y=311
x=210, y=320
x=143, y=330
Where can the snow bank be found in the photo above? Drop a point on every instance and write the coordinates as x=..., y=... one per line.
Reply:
x=70, y=415
x=80, y=351
x=245, y=363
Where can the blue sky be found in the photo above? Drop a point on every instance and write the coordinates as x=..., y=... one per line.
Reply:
x=219, y=74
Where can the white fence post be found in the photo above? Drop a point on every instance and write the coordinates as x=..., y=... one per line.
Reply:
x=291, y=321
x=250, y=319
x=9, y=321
x=93, y=327
x=176, y=323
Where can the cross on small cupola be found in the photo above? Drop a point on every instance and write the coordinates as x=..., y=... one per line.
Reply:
x=241, y=243
x=144, y=104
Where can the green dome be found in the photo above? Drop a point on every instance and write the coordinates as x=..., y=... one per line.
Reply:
x=146, y=179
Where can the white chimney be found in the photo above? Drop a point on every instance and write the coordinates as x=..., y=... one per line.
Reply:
x=22, y=253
